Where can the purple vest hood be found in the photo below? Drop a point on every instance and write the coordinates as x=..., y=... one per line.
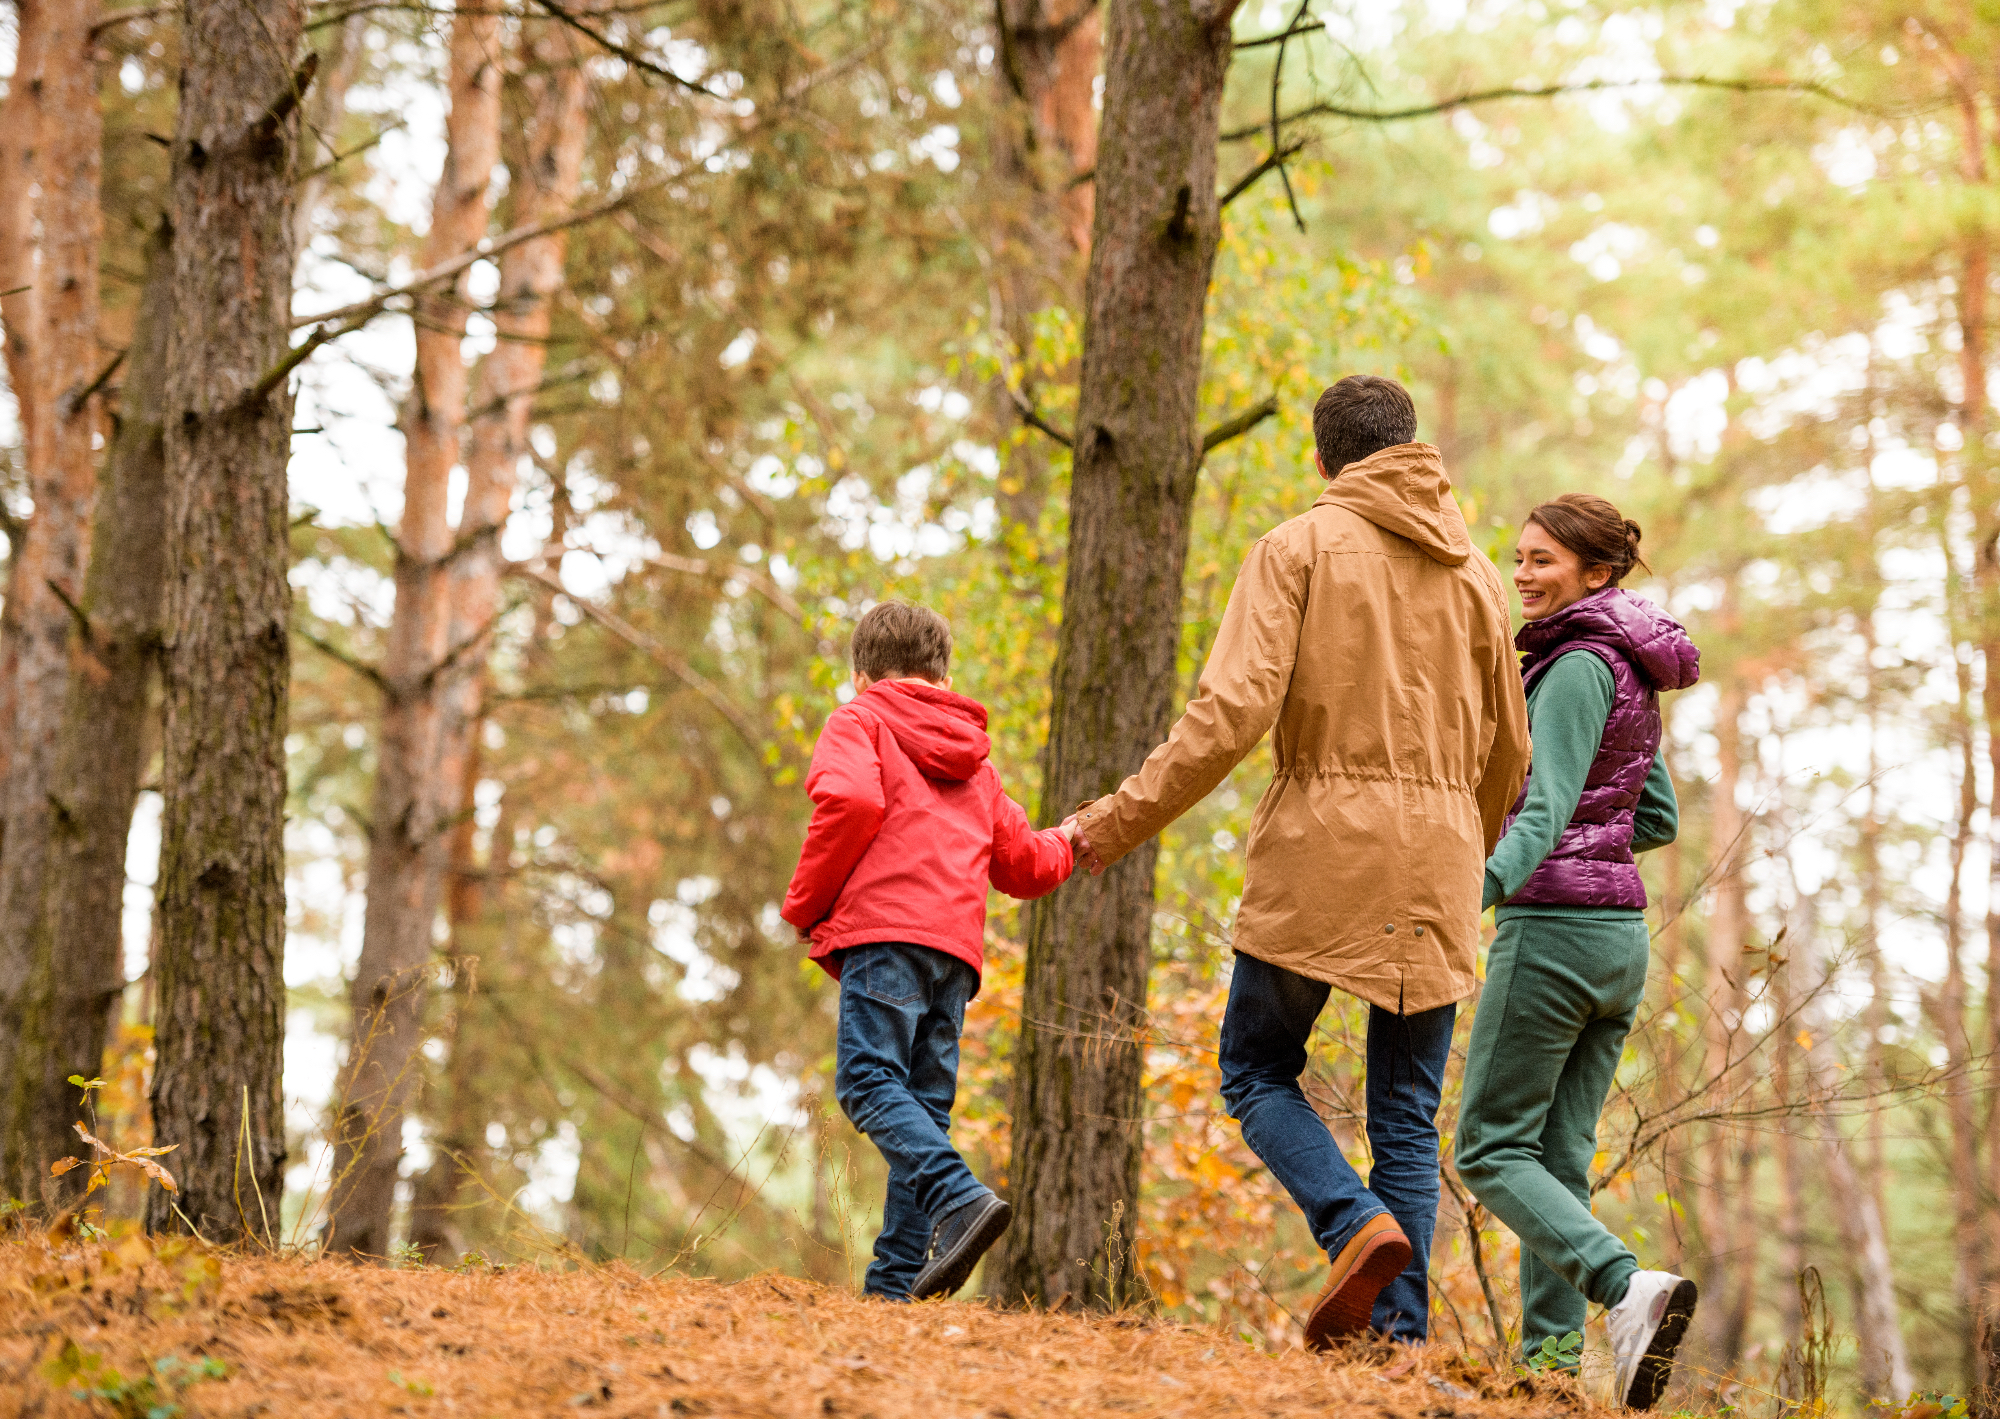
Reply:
x=1647, y=651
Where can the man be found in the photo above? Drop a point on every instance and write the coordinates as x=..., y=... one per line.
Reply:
x=1378, y=644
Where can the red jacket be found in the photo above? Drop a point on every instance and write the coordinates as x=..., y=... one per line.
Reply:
x=909, y=825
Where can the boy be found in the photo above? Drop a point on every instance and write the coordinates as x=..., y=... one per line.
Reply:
x=909, y=825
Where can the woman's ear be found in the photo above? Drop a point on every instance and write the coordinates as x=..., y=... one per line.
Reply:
x=1596, y=577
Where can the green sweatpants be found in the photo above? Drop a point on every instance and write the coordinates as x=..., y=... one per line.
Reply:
x=1562, y=986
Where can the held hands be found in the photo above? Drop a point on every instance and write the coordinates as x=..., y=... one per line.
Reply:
x=1086, y=855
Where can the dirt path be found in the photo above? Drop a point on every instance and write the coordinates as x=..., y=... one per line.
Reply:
x=222, y=1336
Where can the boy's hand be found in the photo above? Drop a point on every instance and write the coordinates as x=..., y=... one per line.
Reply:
x=1086, y=855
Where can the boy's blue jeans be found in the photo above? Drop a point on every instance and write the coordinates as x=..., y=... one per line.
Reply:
x=896, y=1074
x=1269, y=1019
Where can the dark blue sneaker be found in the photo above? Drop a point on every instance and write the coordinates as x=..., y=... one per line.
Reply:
x=959, y=1239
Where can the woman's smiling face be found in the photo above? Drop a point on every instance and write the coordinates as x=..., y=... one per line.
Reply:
x=1549, y=576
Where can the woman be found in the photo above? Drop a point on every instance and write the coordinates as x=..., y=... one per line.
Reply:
x=1568, y=967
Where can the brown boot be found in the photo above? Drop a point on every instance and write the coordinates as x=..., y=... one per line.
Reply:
x=1374, y=1257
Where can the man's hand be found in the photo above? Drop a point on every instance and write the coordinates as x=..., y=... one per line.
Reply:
x=1086, y=855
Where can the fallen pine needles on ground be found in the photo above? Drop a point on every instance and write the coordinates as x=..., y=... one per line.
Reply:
x=175, y=1328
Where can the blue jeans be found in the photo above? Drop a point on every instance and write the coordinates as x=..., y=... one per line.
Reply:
x=896, y=1074
x=1270, y=1018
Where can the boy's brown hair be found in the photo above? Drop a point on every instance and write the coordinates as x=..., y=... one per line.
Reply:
x=896, y=638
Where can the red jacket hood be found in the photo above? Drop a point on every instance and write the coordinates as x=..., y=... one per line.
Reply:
x=944, y=734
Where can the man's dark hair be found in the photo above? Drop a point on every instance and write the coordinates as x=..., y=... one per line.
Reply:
x=1360, y=415
x=895, y=639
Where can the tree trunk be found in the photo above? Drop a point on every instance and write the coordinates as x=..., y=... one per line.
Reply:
x=1045, y=149
x=1049, y=60
x=438, y=1193
x=1668, y=1056
x=1883, y=1360
x=326, y=110
x=18, y=170
x=1716, y=1216
x=48, y=563
x=497, y=444
x=1974, y=417
x=17, y=312
x=226, y=654
x=1791, y=1178
x=1074, y=1173
x=415, y=799
x=78, y=976
x=510, y=377
x=1968, y=1245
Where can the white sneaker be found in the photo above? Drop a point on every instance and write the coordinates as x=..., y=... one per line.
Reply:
x=1646, y=1328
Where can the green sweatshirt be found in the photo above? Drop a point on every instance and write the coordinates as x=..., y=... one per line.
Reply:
x=1567, y=709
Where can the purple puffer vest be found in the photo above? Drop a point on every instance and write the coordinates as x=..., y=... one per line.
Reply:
x=1647, y=651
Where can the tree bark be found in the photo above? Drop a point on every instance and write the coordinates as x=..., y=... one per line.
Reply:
x=1968, y=1243
x=1883, y=1359
x=76, y=938
x=1716, y=1216
x=18, y=167
x=1974, y=415
x=1045, y=152
x=1074, y=1172
x=326, y=109
x=509, y=379
x=1791, y=1178
x=48, y=563
x=415, y=794
x=17, y=312
x=1049, y=60
x=226, y=653
x=18, y=170
x=496, y=445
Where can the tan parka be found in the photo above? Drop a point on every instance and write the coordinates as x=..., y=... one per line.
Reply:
x=1375, y=639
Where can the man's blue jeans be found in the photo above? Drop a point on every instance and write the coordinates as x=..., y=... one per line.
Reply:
x=896, y=1074
x=1270, y=1018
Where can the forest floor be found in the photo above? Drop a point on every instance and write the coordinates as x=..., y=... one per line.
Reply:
x=133, y=1329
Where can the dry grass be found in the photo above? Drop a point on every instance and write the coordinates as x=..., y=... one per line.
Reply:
x=330, y=1339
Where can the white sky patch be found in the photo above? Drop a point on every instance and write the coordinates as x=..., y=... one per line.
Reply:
x=1610, y=248
x=938, y=147
x=1527, y=214
x=142, y=872
x=674, y=921
x=1848, y=158
x=1697, y=415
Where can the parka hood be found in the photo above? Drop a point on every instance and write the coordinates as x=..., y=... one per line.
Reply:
x=1405, y=490
x=1651, y=639
x=943, y=733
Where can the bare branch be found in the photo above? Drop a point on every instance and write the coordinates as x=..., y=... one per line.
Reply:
x=354, y=152
x=1277, y=138
x=696, y=566
x=1249, y=179
x=625, y=52
x=126, y=17
x=334, y=652
x=76, y=399
x=644, y=643
x=1549, y=91
x=1240, y=425
x=1291, y=32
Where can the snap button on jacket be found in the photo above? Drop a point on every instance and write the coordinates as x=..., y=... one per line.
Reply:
x=1373, y=644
